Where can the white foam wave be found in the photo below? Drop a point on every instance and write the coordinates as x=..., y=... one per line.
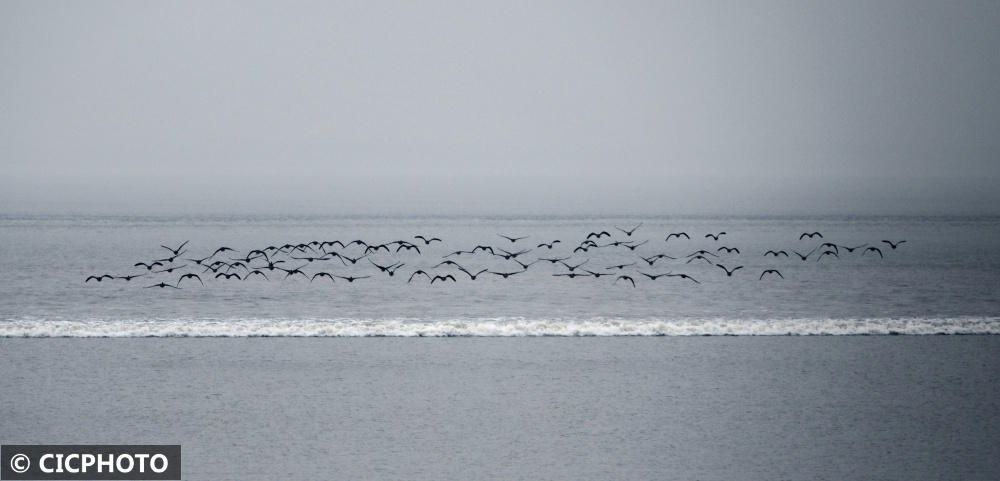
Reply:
x=500, y=327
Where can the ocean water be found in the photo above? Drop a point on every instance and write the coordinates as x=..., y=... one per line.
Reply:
x=945, y=277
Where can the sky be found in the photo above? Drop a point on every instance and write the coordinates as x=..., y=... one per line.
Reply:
x=502, y=108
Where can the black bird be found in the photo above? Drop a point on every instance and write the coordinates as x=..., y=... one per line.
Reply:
x=392, y=270
x=581, y=248
x=447, y=262
x=408, y=247
x=513, y=239
x=523, y=265
x=598, y=274
x=352, y=279
x=804, y=257
x=874, y=249
x=129, y=278
x=230, y=276
x=620, y=266
x=471, y=275
x=169, y=269
x=483, y=248
x=291, y=272
x=458, y=253
x=572, y=275
x=255, y=271
x=653, y=277
x=699, y=256
x=678, y=235
x=322, y=274
x=169, y=259
x=729, y=273
x=418, y=272
x=161, y=285
x=374, y=249
x=650, y=260
x=617, y=243
x=426, y=240
x=358, y=242
x=893, y=245
x=571, y=268
x=199, y=261
x=598, y=234
x=806, y=234
x=830, y=244
x=701, y=252
x=549, y=245
x=553, y=260
x=775, y=271
x=728, y=249
x=684, y=276
x=505, y=274
x=715, y=236
x=192, y=276
x=99, y=278
x=512, y=255
x=331, y=244
x=626, y=278
x=354, y=260
x=177, y=250
x=443, y=278
x=631, y=247
x=384, y=268
x=221, y=249
x=834, y=254
x=629, y=232
x=775, y=253
x=851, y=249
x=321, y=258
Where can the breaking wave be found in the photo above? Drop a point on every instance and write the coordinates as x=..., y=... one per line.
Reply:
x=495, y=327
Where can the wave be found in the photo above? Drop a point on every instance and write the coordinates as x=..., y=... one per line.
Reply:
x=496, y=327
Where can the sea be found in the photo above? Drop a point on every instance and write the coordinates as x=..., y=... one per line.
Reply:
x=646, y=347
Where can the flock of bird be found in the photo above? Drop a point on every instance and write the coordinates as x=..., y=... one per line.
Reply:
x=338, y=261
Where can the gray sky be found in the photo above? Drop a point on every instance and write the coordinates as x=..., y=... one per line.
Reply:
x=467, y=107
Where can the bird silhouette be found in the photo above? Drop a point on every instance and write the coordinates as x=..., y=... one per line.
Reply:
x=678, y=235
x=129, y=278
x=830, y=244
x=729, y=250
x=471, y=275
x=177, y=250
x=322, y=274
x=418, y=272
x=620, y=266
x=629, y=232
x=599, y=274
x=715, y=236
x=701, y=252
x=699, y=256
x=873, y=249
x=169, y=269
x=443, y=278
x=572, y=268
x=554, y=260
x=99, y=278
x=770, y=271
x=161, y=285
x=255, y=271
x=572, y=275
x=230, y=276
x=653, y=277
x=426, y=240
x=776, y=253
x=513, y=239
x=549, y=245
x=684, y=276
x=804, y=257
x=189, y=276
x=449, y=262
x=408, y=247
x=352, y=279
x=893, y=245
x=851, y=249
x=834, y=254
x=806, y=234
x=729, y=273
x=627, y=278
x=650, y=260
x=392, y=270
x=384, y=268
x=632, y=247
x=598, y=234
x=505, y=274
x=523, y=265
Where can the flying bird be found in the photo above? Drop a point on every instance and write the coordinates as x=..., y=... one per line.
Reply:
x=505, y=274
x=598, y=234
x=418, y=272
x=322, y=274
x=161, y=285
x=804, y=257
x=513, y=239
x=443, y=278
x=653, y=276
x=471, y=275
x=684, y=276
x=678, y=235
x=189, y=276
x=426, y=240
x=770, y=271
x=729, y=273
x=775, y=253
x=177, y=250
x=715, y=236
x=893, y=245
x=834, y=254
x=851, y=249
x=99, y=278
x=626, y=278
x=571, y=268
x=549, y=245
x=632, y=247
x=230, y=276
x=874, y=249
x=729, y=250
x=352, y=279
x=629, y=232
x=620, y=266
x=806, y=234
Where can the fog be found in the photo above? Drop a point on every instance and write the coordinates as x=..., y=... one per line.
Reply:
x=634, y=108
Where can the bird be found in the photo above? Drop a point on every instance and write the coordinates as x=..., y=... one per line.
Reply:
x=189, y=276
x=426, y=240
x=513, y=239
x=177, y=250
x=523, y=265
x=806, y=234
x=169, y=269
x=699, y=256
x=571, y=268
x=830, y=244
x=834, y=254
x=653, y=276
x=352, y=279
x=221, y=249
x=353, y=260
x=505, y=274
x=851, y=249
x=170, y=259
x=629, y=232
x=775, y=253
x=804, y=257
x=678, y=235
x=554, y=260
x=626, y=278
x=161, y=285
x=458, y=253
x=443, y=278
x=572, y=275
x=549, y=245
x=598, y=274
x=291, y=272
x=598, y=234
x=729, y=250
x=255, y=271
x=684, y=276
x=512, y=255
x=322, y=274
x=650, y=260
x=893, y=245
x=729, y=273
x=701, y=252
x=874, y=249
x=471, y=275
x=384, y=268
x=774, y=271
x=230, y=276
x=620, y=266
x=374, y=249
x=632, y=247
x=392, y=270
x=482, y=248
x=449, y=262
x=418, y=272
x=408, y=247
x=199, y=261
x=129, y=278
x=715, y=236
x=99, y=278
